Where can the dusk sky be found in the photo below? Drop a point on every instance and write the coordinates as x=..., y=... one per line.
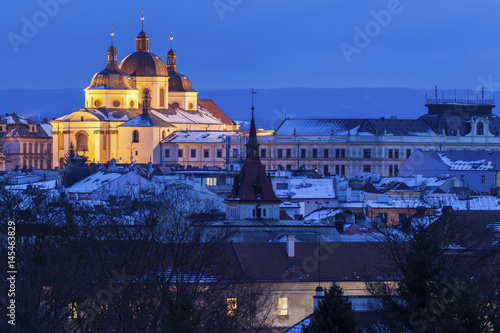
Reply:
x=226, y=44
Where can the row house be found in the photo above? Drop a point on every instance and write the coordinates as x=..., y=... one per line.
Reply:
x=25, y=143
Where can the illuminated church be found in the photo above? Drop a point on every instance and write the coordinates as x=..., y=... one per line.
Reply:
x=130, y=108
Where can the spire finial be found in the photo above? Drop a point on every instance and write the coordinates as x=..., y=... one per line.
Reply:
x=253, y=92
x=112, y=34
x=171, y=38
x=142, y=19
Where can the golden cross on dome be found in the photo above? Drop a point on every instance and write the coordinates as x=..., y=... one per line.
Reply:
x=142, y=19
x=112, y=34
x=171, y=39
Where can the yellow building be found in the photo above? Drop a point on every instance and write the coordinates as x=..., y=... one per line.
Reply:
x=130, y=108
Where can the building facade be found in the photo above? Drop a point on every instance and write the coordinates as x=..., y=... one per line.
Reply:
x=25, y=143
x=352, y=146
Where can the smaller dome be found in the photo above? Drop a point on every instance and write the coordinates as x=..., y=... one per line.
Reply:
x=142, y=34
x=112, y=77
x=176, y=81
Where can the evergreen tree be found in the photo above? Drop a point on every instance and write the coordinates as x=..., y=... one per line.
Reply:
x=440, y=289
x=333, y=315
x=70, y=153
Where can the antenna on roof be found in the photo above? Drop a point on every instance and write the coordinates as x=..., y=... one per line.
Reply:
x=319, y=260
x=482, y=94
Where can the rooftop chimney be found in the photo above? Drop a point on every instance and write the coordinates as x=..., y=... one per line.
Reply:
x=290, y=246
x=320, y=294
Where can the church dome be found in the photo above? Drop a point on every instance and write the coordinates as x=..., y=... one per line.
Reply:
x=112, y=77
x=176, y=81
x=143, y=63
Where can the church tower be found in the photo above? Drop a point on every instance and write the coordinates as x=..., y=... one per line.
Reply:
x=181, y=92
x=252, y=195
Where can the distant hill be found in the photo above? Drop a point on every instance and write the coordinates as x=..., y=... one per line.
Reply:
x=271, y=105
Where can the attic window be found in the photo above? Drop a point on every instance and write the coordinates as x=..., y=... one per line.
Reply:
x=476, y=165
x=32, y=128
x=3, y=128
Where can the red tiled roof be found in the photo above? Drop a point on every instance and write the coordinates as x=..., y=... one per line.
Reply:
x=214, y=109
x=343, y=261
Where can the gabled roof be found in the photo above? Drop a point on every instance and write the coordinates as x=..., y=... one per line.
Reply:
x=211, y=107
x=252, y=183
x=154, y=119
x=197, y=136
x=18, y=126
x=369, y=188
x=344, y=261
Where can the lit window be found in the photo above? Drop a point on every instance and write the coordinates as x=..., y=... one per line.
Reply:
x=72, y=310
x=283, y=306
x=232, y=306
x=211, y=181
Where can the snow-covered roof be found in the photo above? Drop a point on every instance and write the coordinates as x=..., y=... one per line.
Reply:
x=469, y=160
x=411, y=181
x=398, y=203
x=93, y=182
x=197, y=136
x=322, y=127
x=477, y=203
x=44, y=185
x=324, y=213
x=305, y=188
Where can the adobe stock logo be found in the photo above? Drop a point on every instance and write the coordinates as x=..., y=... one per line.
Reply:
x=30, y=27
x=372, y=29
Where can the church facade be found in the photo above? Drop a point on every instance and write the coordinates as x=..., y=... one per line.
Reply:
x=131, y=107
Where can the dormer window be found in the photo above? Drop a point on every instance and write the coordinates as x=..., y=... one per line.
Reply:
x=480, y=128
x=3, y=128
x=32, y=128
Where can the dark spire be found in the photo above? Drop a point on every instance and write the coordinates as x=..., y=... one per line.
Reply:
x=253, y=144
x=112, y=50
x=142, y=39
x=146, y=102
x=171, y=56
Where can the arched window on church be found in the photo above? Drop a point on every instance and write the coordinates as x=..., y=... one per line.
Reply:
x=135, y=136
x=81, y=141
x=163, y=134
x=480, y=128
x=162, y=97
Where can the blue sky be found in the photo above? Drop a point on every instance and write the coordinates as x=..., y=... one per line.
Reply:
x=226, y=44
